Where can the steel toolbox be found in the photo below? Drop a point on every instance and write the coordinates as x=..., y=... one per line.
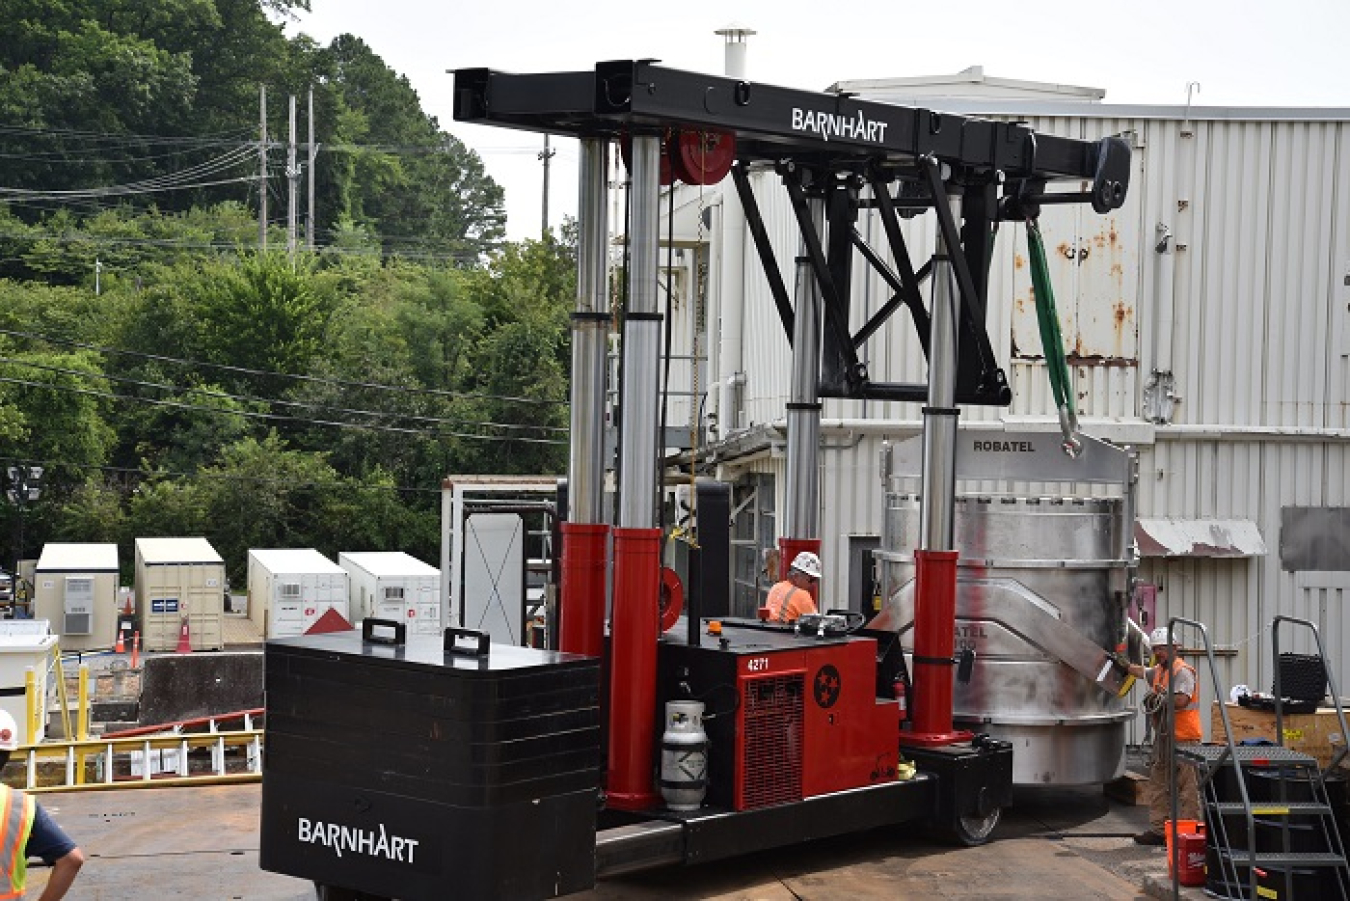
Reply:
x=425, y=769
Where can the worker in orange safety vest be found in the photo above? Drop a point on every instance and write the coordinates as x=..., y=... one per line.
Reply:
x=27, y=831
x=791, y=598
x=1178, y=721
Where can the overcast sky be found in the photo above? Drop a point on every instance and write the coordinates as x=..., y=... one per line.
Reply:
x=1242, y=53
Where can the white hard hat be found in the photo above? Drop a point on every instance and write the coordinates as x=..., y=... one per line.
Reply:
x=808, y=563
x=9, y=732
x=1159, y=637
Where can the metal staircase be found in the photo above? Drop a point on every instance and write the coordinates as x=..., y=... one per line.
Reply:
x=1272, y=829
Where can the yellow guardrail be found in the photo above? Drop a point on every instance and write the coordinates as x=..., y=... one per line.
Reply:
x=143, y=761
x=132, y=761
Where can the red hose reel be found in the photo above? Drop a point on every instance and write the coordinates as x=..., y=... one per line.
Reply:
x=693, y=156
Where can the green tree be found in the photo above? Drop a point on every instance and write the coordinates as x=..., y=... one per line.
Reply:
x=390, y=165
x=61, y=408
x=441, y=324
x=167, y=507
x=263, y=494
x=95, y=511
x=371, y=514
x=187, y=434
x=261, y=313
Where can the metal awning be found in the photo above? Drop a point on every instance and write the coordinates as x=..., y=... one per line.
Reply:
x=1199, y=538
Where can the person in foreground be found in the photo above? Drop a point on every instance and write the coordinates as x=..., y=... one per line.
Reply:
x=27, y=831
x=1177, y=721
x=791, y=598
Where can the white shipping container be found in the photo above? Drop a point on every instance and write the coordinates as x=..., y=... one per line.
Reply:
x=26, y=645
x=75, y=589
x=178, y=579
x=395, y=586
x=290, y=589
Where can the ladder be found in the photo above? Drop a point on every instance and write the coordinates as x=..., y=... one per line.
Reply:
x=1272, y=830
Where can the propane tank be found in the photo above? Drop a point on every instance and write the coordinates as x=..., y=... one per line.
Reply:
x=684, y=756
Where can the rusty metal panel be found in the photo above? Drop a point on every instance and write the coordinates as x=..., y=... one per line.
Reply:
x=1094, y=264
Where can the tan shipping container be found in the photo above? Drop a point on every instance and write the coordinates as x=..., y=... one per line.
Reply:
x=179, y=579
x=75, y=589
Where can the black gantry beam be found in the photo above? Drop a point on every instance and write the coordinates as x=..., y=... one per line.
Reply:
x=828, y=146
x=770, y=122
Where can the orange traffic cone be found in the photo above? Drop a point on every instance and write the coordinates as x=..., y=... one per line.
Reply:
x=121, y=646
x=135, y=649
x=184, y=642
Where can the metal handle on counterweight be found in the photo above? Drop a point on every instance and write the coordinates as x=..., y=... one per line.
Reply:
x=453, y=635
x=370, y=624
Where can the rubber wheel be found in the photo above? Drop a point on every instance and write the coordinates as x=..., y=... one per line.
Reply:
x=975, y=830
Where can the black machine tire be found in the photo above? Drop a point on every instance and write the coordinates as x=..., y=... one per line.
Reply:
x=970, y=831
x=334, y=893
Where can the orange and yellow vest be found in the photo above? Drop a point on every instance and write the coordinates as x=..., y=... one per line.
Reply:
x=1186, y=721
x=787, y=602
x=16, y=823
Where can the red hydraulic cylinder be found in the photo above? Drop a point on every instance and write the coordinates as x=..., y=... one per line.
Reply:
x=585, y=557
x=788, y=549
x=635, y=627
x=934, y=645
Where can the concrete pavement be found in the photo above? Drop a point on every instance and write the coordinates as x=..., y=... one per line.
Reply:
x=1054, y=843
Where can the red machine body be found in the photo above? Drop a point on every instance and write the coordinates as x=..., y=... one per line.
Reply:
x=806, y=720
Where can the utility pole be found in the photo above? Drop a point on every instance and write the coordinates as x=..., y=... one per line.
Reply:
x=25, y=485
x=262, y=167
x=546, y=154
x=313, y=152
x=293, y=180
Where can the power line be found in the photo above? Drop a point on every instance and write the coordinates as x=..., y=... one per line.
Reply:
x=172, y=181
x=276, y=417
x=68, y=157
x=219, y=139
x=282, y=403
x=332, y=249
x=126, y=191
x=341, y=383
x=432, y=147
x=203, y=474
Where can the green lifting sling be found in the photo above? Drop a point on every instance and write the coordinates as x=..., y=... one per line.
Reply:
x=1052, y=341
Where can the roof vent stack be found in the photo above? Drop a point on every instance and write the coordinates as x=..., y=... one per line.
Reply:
x=734, y=61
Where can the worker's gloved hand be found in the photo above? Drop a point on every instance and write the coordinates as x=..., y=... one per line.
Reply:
x=1121, y=661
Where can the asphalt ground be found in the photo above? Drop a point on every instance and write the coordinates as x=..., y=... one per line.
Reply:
x=202, y=842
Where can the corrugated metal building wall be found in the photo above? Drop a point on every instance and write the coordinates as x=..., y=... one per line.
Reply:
x=1246, y=303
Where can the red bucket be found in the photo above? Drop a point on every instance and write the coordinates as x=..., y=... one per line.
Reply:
x=1190, y=853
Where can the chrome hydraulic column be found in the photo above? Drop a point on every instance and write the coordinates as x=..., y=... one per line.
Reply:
x=641, y=342
x=590, y=328
x=585, y=536
x=940, y=416
x=935, y=562
x=636, y=618
x=802, y=506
